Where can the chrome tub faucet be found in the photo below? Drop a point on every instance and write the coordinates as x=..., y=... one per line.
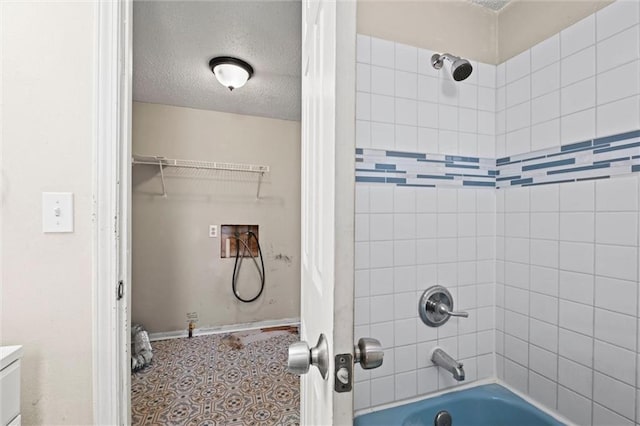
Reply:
x=442, y=359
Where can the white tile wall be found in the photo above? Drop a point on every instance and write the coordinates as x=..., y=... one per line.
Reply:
x=589, y=90
x=574, y=347
x=549, y=274
x=405, y=104
x=417, y=238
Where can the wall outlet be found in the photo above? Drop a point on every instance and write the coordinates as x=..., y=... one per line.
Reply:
x=213, y=231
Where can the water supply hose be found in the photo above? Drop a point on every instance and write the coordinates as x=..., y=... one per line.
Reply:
x=238, y=264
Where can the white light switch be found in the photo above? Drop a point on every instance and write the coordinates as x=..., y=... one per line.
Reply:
x=213, y=231
x=57, y=212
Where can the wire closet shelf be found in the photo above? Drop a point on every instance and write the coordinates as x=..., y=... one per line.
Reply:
x=163, y=162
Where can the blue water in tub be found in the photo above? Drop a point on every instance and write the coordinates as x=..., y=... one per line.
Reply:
x=488, y=405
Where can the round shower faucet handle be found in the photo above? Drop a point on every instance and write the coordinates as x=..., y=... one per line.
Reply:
x=436, y=307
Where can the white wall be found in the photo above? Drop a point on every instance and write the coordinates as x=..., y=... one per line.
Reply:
x=47, y=132
x=177, y=268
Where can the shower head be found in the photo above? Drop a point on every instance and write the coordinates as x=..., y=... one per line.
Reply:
x=460, y=68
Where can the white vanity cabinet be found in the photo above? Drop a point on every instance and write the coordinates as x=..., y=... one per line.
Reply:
x=10, y=385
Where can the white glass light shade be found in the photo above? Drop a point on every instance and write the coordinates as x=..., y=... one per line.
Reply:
x=231, y=75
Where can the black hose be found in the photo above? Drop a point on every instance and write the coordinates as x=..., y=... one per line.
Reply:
x=236, y=269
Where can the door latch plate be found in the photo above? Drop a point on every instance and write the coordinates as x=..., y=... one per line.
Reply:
x=120, y=291
x=343, y=373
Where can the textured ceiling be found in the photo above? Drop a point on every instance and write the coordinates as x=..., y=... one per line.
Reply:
x=173, y=42
x=492, y=4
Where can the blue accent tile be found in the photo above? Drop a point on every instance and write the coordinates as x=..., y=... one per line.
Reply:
x=462, y=166
x=500, y=179
x=590, y=148
x=381, y=171
x=578, y=169
x=592, y=178
x=434, y=177
x=454, y=174
x=473, y=176
x=417, y=185
x=424, y=160
x=370, y=179
x=370, y=170
x=617, y=147
x=635, y=168
x=574, y=146
x=494, y=172
x=549, y=164
x=396, y=180
x=534, y=158
x=405, y=154
x=504, y=160
x=521, y=181
x=615, y=138
x=549, y=183
x=459, y=158
x=613, y=160
x=474, y=183
x=385, y=166
x=358, y=151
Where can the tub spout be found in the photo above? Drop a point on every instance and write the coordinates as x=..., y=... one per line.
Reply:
x=442, y=359
x=458, y=373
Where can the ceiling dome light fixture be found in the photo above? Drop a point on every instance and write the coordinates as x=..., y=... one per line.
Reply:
x=231, y=72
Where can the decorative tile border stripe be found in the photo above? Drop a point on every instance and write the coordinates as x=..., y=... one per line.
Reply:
x=423, y=170
x=598, y=158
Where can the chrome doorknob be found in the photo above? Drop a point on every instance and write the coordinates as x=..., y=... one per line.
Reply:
x=368, y=352
x=301, y=357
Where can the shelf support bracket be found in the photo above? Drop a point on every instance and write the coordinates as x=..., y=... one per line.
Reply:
x=259, y=183
x=164, y=189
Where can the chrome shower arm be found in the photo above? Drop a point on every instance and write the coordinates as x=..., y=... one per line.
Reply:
x=437, y=60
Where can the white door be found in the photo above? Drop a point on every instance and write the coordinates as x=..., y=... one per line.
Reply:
x=328, y=147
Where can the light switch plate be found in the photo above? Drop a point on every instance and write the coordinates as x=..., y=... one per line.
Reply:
x=57, y=212
x=213, y=231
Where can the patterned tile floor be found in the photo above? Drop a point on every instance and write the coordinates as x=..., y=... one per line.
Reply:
x=232, y=379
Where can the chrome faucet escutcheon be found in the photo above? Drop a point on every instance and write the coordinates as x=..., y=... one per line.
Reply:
x=436, y=306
